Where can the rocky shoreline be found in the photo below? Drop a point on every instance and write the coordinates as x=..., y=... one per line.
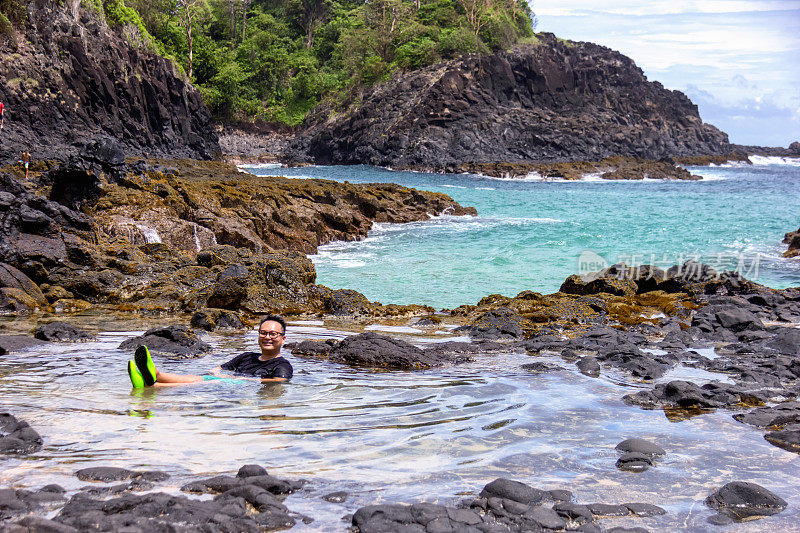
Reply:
x=78, y=237
x=639, y=322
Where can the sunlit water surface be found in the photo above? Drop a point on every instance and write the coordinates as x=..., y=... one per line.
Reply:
x=531, y=234
x=438, y=435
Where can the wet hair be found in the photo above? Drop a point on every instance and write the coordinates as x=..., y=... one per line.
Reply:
x=274, y=318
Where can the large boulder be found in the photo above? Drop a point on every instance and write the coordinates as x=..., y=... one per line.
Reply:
x=377, y=350
x=175, y=341
x=741, y=501
x=13, y=278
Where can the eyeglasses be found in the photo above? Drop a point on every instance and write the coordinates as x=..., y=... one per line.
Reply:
x=270, y=334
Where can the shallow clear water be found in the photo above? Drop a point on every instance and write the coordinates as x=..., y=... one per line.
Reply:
x=531, y=234
x=437, y=435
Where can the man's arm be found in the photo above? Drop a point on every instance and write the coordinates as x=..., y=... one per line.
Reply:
x=273, y=380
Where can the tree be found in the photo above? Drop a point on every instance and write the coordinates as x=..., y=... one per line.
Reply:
x=477, y=13
x=310, y=15
x=386, y=22
x=190, y=12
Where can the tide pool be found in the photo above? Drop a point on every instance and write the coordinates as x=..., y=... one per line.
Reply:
x=530, y=234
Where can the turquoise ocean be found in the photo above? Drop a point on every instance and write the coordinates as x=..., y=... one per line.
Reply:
x=531, y=233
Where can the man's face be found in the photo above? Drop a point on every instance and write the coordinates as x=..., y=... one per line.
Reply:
x=267, y=338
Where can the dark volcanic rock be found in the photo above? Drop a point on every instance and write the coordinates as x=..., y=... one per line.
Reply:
x=162, y=512
x=419, y=517
x=588, y=366
x=15, y=502
x=313, y=348
x=248, y=475
x=553, y=101
x=106, y=87
x=634, y=462
x=640, y=446
x=786, y=341
x=61, y=332
x=111, y=473
x=14, y=343
x=12, y=278
x=684, y=394
x=508, y=489
x=17, y=436
x=169, y=340
x=772, y=416
x=742, y=501
x=374, y=349
x=788, y=439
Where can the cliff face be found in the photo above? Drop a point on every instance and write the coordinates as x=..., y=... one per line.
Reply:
x=554, y=101
x=68, y=79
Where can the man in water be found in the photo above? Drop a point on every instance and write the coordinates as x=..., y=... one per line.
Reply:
x=266, y=367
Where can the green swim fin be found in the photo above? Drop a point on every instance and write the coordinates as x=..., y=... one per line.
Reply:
x=136, y=377
x=145, y=365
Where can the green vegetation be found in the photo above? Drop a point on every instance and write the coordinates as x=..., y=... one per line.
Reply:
x=273, y=60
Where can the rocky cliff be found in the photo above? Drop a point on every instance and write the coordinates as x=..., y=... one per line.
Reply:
x=554, y=101
x=66, y=78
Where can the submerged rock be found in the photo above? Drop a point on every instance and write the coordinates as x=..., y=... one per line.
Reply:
x=61, y=332
x=111, y=473
x=15, y=343
x=19, y=501
x=742, y=501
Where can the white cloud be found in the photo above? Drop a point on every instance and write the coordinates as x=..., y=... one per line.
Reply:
x=657, y=7
x=744, y=54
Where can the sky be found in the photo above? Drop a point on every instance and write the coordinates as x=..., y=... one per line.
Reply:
x=738, y=60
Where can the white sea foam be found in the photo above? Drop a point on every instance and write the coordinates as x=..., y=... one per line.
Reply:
x=761, y=160
x=259, y=165
x=592, y=177
x=392, y=329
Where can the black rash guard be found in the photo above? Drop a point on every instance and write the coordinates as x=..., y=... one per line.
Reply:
x=249, y=364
